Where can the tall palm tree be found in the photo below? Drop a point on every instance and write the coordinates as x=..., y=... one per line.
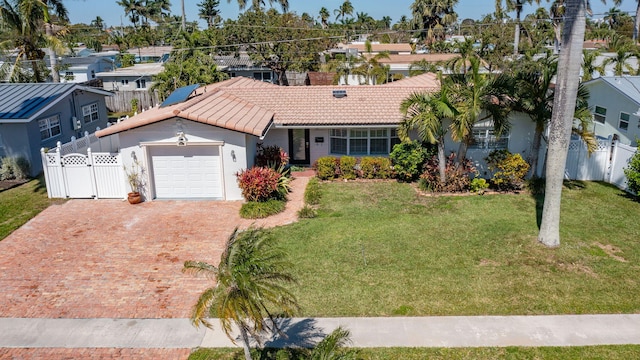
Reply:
x=324, y=17
x=422, y=66
x=517, y=5
x=589, y=66
x=557, y=14
x=426, y=113
x=466, y=50
x=432, y=16
x=478, y=97
x=132, y=8
x=258, y=4
x=624, y=49
x=250, y=284
x=343, y=10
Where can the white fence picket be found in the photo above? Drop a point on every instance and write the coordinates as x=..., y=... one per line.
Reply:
x=620, y=160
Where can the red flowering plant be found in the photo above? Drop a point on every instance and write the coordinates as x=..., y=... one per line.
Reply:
x=271, y=156
x=259, y=183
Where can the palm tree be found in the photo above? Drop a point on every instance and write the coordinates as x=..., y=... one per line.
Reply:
x=421, y=67
x=624, y=50
x=324, y=17
x=432, y=16
x=132, y=8
x=478, y=97
x=386, y=21
x=557, y=14
x=258, y=4
x=612, y=17
x=250, y=284
x=589, y=66
x=426, y=113
x=209, y=11
x=562, y=119
x=517, y=6
x=98, y=23
x=466, y=50
x=332, y=347
x=345, y=9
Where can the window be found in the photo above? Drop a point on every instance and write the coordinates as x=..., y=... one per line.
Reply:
x=49, y=127
x=600, y=114
x=93, y=74
x=338, y=140
x=624, y=122
x=485, y=138
x=360, y=141
x=90, y=113
x=124, y=82
x=141, y=84
x=262, y=76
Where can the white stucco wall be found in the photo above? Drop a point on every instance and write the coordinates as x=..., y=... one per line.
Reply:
x=603, y=95
x=233, y=151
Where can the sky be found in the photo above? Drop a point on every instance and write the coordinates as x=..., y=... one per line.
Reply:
x=83, y=11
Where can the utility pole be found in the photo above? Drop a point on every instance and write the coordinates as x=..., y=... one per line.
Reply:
x=184, y=17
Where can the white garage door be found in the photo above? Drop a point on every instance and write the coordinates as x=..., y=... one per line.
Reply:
x=186, y=172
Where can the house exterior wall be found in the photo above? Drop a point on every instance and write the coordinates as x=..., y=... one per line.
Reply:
x=234, y=151
x=603, y=95
x=125, y=83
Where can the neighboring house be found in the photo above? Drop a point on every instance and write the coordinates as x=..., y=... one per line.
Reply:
x=134, y=78
x=615, y=104
x=83, y=69
x=194, y=146
x=38, y=115
x=151, y=53
x=242, y=65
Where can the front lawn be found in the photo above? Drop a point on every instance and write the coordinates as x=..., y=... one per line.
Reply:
x=19, y=204
x=379, y=249
x=567, y=353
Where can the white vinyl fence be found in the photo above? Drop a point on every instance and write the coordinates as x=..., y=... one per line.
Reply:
x=83, y=175
x=620, y=158
x=80, y=145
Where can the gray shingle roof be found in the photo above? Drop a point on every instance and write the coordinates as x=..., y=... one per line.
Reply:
x=628, y=85
x=22, y=101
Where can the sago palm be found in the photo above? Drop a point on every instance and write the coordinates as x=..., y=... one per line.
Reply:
x=250, y=285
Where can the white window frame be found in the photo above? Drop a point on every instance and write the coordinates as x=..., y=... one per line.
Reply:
x=50, y=126
x=349, y=134
x=598, y=117
x=623, y=121
x=485, y=138
x=90, y=113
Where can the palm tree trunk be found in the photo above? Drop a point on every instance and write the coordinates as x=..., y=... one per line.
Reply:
x=53, y=60
x=637, y=24
x=442, y=161
x=462, y=150
x=245, y=343
x=535, y=151
x=516, y=39
x=184, y=17
x=564, y=104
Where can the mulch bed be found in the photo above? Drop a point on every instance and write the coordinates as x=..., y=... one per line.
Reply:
x=8, y=184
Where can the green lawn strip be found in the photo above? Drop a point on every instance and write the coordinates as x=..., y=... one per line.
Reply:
x=567, y=353
x=379, y=249
x=19, y=204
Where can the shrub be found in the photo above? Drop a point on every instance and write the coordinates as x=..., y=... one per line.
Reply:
x=260, y=210
x=478, y=185
x=271, y=156
x=312, y=192
x=457, y=175
x=259, y=183
x=407, y=159
x=17, y=168
x=348, y=167
x=375, y=167
x=307, y=212
x=509, y=169
x=327, y=167
x=632, y=172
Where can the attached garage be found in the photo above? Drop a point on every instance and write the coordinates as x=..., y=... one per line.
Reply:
x=186, y=172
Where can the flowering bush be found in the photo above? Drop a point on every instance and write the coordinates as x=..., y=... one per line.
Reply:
x=457, y=175
x=259, y=183
x=271, y=156
x=510, y=169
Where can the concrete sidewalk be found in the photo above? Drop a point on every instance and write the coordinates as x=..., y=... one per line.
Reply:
x=446, y=331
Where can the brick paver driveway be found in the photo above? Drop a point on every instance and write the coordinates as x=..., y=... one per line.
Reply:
x=109, y=259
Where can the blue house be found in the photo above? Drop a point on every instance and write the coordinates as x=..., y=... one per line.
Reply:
x=38, y=115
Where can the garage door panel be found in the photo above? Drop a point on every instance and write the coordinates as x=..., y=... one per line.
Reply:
x=187, y=172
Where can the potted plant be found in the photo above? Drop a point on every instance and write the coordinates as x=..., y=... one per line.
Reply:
x=133, y=177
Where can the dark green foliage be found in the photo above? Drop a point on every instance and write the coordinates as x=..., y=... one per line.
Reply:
x=407, y=159
x=509, y=169
x=458, y=176
x=632, y=172
x=327, y=167
x=348, y=167
x=375, y=168
x=263, y=209
x=271, y=156
x=312, y=193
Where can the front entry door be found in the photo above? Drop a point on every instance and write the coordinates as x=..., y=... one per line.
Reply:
x=299, y=146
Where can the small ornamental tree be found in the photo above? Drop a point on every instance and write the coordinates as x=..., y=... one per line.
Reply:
x=632, y=172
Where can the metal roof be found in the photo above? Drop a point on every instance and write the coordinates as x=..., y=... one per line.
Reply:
x=22, y=101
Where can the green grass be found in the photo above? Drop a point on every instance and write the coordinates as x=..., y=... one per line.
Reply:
x=567, y=353
x=379, y=249
x=19, y=204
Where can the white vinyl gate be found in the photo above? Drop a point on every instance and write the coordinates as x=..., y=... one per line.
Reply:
x=94, y=175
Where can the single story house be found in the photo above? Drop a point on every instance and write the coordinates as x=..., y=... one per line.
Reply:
x=615, y=104
x=242, y=65
x=138, y=77
x=194, y=144
x=38, y=115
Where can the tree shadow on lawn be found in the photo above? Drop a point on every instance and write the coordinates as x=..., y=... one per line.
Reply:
x=537, y=192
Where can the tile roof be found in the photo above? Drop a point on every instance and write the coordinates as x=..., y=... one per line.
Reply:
x=20, y=102
x=135, y=70
x=251, y=106
x=379, y=47
x=410, y=58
